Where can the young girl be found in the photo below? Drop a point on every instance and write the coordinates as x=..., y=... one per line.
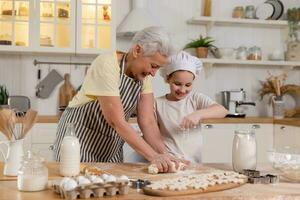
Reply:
x=180, y=112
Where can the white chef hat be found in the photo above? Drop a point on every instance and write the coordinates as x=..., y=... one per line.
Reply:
x=181, y=61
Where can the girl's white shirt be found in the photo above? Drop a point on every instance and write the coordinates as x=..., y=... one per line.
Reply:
x=188, y=144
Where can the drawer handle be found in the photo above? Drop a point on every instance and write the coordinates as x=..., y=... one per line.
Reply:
x=282, y=127
x=51, y=147
x=208, y=126
x=255, y=126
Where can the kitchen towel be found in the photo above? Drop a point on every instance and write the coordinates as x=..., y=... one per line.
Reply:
x=47, y=85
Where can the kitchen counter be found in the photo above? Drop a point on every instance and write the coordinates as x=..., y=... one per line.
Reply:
x=281, y=190
x=259, y=120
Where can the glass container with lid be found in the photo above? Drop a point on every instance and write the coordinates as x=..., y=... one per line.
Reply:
x=250, y=12
x=33, y=174
x=244, y=150
x=254, y=53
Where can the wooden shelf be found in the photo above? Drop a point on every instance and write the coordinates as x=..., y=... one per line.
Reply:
x=214, y=61
x=208, y=21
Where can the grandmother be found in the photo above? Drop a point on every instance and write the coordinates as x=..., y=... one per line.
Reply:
x=116, y=86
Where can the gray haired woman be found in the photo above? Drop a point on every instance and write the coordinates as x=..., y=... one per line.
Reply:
x=115, y=86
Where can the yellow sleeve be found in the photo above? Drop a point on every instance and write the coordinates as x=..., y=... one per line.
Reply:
x=147, y=85
x=103, y=77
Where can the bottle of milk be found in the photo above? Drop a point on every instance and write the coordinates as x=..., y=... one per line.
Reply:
x=244, y=150
x=70, y=153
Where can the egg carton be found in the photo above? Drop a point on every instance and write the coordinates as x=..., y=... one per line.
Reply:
x=96, y=190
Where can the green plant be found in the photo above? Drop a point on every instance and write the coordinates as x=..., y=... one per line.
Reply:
x=293, y=15
x=200, y=42
x=3, y=95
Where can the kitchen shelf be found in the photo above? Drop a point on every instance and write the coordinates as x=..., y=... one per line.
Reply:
x=209, y=21
x=214, y=61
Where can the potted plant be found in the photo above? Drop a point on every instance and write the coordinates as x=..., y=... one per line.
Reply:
x=3, y=97
x=202, y=45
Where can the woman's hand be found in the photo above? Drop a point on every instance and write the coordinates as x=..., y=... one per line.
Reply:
x=190, y=121
x=164, y=162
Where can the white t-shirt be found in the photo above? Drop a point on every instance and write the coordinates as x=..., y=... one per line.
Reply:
x=170, y=115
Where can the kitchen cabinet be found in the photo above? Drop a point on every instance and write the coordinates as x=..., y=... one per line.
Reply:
x=286, y=136
x=57, y=26
x=211, y=22
x=218, y=140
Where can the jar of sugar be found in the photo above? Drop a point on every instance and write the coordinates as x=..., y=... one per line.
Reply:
x=244, y=150
x=33, y=174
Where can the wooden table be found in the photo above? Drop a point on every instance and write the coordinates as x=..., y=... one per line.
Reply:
x=282, y=190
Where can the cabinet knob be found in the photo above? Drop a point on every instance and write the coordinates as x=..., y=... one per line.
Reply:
x=51, y=147
x=255, y=126
x=282, y=127
x=208, y=126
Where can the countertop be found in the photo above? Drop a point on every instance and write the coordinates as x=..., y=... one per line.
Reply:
x=281, y=190
x=259, y=120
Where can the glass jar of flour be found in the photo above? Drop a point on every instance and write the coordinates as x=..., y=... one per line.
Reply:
x=33, y=174
x=244, y=150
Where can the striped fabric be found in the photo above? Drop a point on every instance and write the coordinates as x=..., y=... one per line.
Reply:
x=99, y=142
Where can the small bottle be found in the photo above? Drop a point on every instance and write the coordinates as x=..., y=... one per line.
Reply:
x=70, y=153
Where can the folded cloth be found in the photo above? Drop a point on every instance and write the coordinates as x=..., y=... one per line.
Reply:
x=182, y=61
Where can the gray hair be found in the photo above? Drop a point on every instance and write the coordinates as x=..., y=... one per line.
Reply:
x=153, y=39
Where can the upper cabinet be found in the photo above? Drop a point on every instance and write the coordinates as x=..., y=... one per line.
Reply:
x=57, y=26
x=14, y=24
x=95, y=28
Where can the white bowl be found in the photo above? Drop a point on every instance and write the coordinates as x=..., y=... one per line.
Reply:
x=287, y=161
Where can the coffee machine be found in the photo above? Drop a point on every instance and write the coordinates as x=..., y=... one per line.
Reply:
x=232, y=99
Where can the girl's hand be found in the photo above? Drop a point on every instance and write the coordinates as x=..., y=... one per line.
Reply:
x=190, y=121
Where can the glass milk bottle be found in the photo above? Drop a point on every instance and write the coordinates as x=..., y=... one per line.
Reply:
x=244, y=150
x=70, y=153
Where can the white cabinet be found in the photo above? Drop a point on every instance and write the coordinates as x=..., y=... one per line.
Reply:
x=42, y=138
x=130, y=155
x=57, y=26
x=217, y=143
x=218, y=140
x=286, y=136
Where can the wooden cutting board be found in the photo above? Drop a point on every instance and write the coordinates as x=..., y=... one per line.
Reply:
x=166, y=193
x=66, y=92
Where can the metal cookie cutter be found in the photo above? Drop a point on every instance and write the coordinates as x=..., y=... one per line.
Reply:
x=139, y=183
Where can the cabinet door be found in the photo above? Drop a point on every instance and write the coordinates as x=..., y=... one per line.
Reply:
x=95, y=26
x=42, y=138
x=15, y=17
x=285, y=136
x=56, y=30
x=130, y=155
x=217, y=143
x=264, y=139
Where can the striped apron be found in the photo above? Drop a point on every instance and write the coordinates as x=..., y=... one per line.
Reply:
x=99, y=142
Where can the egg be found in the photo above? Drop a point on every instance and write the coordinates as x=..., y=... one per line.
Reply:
x=69, y=184
x=83, y=180
x=111, y=178
x=92, y=178
x=64, y=180
x=98, y=180
x=123, y=178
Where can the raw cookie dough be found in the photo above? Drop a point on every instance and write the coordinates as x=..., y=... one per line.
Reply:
x=152, y=169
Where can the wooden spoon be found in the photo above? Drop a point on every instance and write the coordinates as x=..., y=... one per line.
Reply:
x=29, y=120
